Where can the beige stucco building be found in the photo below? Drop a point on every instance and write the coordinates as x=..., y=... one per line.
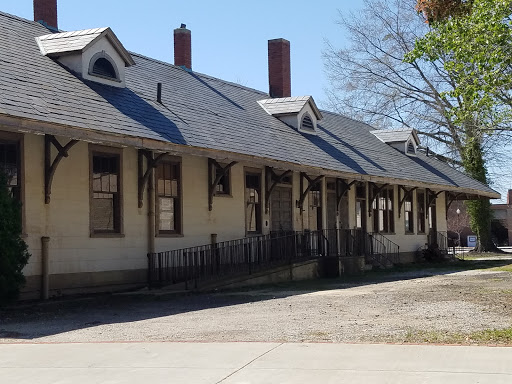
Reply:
x=115, y=155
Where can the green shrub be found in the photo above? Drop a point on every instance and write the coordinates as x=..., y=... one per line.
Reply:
x=433, y=254
x=13, y=250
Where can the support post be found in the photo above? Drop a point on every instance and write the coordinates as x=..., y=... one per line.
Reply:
x=407, y=193
x=373, y=192
x=45, y=268
x=431, y=197
x=311, y=184
x=342, y=187
x=51, y=166
x=214, y=179
x=271, y=181
x=144, y=176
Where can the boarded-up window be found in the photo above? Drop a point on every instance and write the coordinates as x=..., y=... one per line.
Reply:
x=253, y=203
x=105, y=202
x=168, y=180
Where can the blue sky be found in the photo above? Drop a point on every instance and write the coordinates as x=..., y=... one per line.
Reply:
x=229, y=38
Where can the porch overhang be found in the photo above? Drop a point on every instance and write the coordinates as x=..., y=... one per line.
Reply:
x=36, y=127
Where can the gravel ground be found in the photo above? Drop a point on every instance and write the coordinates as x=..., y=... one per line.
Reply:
x=386, y=307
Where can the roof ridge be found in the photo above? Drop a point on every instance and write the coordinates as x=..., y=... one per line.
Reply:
x=83, y=32
x=11, y=16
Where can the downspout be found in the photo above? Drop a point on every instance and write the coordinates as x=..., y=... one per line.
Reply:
x=151, y=212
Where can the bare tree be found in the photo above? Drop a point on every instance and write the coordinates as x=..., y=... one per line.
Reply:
x=370, y=81
x=457, y=219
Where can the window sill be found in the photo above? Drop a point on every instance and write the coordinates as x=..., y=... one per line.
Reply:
x=101, y=235
x=218, y=194
x=169, y=235
x=409, y=233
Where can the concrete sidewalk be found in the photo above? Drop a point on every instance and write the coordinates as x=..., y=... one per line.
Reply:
x=251, y=363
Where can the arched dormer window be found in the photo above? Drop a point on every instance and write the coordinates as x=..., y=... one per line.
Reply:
x=410, y=148
x=102, y=65
x=307, y=123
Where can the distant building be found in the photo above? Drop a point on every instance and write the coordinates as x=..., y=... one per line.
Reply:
x=503, y=214
x=458, y=223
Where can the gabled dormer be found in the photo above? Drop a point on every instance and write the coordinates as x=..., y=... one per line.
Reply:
x=299, y=112
x=93, y=54
x=405, y=140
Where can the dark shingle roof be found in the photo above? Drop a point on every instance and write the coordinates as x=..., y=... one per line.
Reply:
x=196, y=110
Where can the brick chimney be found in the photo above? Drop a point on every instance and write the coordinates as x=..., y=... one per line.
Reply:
x=183, y=47
x=509, y=197
x=45, y=11
x=279, y=72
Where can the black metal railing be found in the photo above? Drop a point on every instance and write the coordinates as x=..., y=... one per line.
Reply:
x=356, y=242
x=389, y=250
x=438, y=240
x=347, y=242
x=234, y=258
x=253, y=254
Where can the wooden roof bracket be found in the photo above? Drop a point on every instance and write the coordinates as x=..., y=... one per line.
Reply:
x=51, y=166
x=450, y=199
x=406, y=195
x=431, y=197
x=271, y=180
x=144, y=175
x=373, y=195
x=342, y=187
x=214, y=181
x=311, y=183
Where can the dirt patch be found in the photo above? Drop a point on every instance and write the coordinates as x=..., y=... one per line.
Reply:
x=397, y=306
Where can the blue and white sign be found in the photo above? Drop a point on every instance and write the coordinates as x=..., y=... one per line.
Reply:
x=472, y=239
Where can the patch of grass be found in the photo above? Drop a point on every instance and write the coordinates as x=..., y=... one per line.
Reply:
x=503, y=268
x=319, y=335
x=487, y=336
x=494, y=336
x=435, y=337
x=483, y=255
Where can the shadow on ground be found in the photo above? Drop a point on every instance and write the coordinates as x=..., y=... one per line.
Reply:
x=31, y=321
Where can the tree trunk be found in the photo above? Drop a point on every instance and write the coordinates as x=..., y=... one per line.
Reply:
x=479, y=210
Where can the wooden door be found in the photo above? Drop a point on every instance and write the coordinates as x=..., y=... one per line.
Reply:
x=281, y=210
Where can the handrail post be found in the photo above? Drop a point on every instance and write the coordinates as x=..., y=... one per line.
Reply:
x=149, y=271
x=196, y=269
x=185, y=259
